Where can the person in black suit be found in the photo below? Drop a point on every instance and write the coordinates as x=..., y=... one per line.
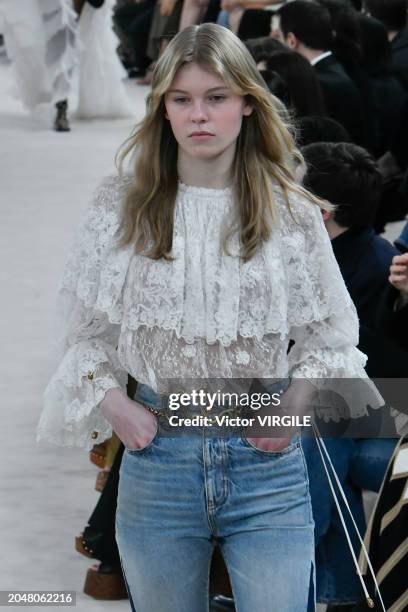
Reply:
x=305, y=94
x=306, y=27
x=393, y=14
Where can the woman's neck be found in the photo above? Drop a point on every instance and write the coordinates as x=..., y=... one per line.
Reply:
x=213, y=173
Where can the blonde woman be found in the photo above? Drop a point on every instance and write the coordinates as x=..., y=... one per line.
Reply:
x=205, y=262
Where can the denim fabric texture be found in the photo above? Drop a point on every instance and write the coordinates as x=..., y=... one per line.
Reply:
x=180, y=496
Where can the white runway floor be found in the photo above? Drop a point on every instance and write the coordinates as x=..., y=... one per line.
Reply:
x=47, y=495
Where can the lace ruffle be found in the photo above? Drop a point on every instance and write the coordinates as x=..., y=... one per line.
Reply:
x=96, y=269
x=71, y=413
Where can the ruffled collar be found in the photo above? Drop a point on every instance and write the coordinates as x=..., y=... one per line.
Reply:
x=212, y=193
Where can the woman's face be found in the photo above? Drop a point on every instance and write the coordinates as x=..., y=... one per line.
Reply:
x=204, y=113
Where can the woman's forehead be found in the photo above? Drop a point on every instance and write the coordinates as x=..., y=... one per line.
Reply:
x=191, y=77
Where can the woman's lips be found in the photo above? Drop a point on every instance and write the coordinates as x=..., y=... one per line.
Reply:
x=201, y=135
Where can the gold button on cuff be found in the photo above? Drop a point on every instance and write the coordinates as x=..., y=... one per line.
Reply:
x=94, y=435
x=90, y=375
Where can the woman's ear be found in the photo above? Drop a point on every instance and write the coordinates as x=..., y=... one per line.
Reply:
x=248, y=108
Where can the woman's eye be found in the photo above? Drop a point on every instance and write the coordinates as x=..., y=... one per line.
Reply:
x=181, y=100
x=217, y=98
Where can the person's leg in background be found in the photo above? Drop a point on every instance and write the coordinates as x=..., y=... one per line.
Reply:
x=370, y=462
x=336, y=581
x=138, y=32
x=132, y=24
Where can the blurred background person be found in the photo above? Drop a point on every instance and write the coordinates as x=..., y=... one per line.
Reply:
x=304, y=94
x=347, y=176
x=40, y=39
x=101, y=92
x=306, y=27
x=393, y=14
x=132, y=21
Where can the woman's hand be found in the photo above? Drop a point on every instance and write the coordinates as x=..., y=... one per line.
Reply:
x=271, y=444
x=296, y=401
x=133, y=424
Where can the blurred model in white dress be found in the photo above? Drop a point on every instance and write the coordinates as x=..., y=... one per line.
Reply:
x=40, y=38
x=101, y=89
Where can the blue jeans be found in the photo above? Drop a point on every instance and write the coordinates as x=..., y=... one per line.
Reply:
x=180, y=496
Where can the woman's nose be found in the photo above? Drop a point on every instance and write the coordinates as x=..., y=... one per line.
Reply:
x=198, y=112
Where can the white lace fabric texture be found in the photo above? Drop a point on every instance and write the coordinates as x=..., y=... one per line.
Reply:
x=203, y=315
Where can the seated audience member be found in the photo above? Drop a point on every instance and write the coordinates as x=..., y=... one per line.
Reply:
x=394, y=168
x=132, y=22
x=399, y=149
x=347, y=176
x=278, y=87
x=389, y=101
x=347, y=49
x=386, y=92
x=306, y=97
x=164, y=26
x=393, y=14
x=320, y=129
x=346, y=46
x=306, y=28
x=387, y=535
x=247, y=18
x=263, y=46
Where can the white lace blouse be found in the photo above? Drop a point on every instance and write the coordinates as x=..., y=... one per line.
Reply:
x=203, y=315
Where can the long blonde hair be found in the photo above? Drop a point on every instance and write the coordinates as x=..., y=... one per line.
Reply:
x=265, y=150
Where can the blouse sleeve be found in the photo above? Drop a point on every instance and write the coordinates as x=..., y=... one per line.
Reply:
x=326, y=335
x=89, y=314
